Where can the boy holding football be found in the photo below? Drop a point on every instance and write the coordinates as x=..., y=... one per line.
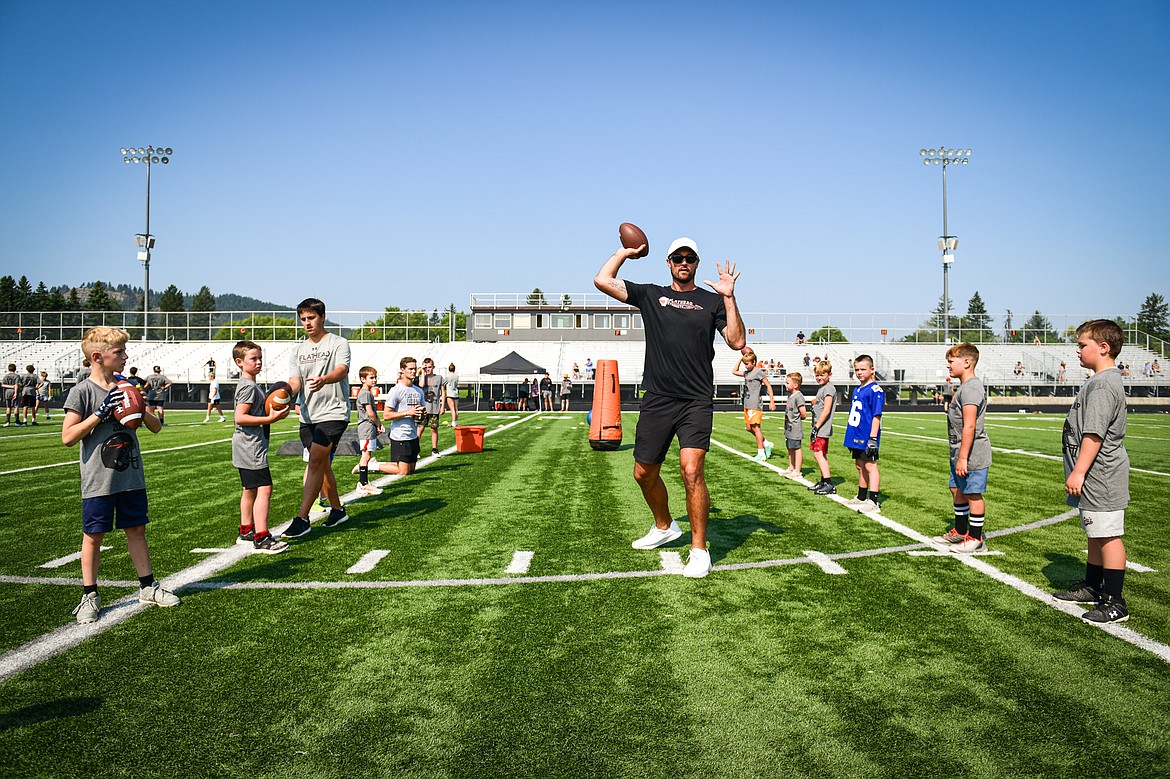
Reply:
x=113, y=485
x=250, y=451
x=404, y=407
x=319, y=378
x=863, y=435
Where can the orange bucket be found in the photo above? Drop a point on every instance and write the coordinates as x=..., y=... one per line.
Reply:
x=469, y=438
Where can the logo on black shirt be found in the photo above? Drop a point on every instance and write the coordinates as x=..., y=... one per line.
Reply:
x=687, y=305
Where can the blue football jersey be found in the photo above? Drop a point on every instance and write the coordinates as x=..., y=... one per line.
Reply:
x=868, y=401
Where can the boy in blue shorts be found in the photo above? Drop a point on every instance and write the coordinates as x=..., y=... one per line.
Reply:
x=250, y=451
x=1096, y=468
x=970, y=452
x=113, y=485
x=863, y=436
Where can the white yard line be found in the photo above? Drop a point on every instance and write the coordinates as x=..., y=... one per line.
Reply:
x=64, y=638
x=521, y=562
x=368, y=561
x=69, y=558
x=671, y=562
x=825, y=563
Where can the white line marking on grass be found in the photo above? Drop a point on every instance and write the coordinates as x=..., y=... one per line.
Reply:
x=1024, y=452
x=65, y=638
x=521, y=562
x=1032, y=591
x=144, y=451
x=69, y=558
x=211, y=549
x=825, y=563
x=1130, y=564
x=671, y=562
x=71, y=581
x=768, y=465
x=1031, y=525
x=368, y=561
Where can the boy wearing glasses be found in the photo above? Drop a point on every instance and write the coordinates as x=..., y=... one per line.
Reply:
x=681, y=321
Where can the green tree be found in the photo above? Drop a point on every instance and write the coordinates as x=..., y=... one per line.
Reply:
x=56, y=301
x=203, y=303
x=828, y=334
x=435, y=319
x=566, y=301
x=536, y=298
x=171, y=300
x=1152, y=319
x=99, y=298
x=977, y=322
x=398, y=325
x=40, y=298
x=24, y=293
x=1037, y=326
x=260, y=328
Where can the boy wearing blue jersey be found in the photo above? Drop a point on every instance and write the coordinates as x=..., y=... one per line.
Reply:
x=864, y=433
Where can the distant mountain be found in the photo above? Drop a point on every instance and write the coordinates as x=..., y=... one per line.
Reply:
x=230, y=302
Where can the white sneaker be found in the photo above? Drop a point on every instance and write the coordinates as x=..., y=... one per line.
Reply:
x=437, y=453
x=698, y=564
x=223, y=419
x=89, y=609
x=969, y=545
x=867, y=506
x=369, y=489
x=207, y=419
x=156, y=595
x=656, y=538
x=759, y=458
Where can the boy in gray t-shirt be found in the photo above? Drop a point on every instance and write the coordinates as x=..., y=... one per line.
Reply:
x=822, y=426
x=794, y=414
x=970, y=452
x=10, y=383
x=755, y=378
x=1096, y=468
x=113, y=485
x=368, y=429
x=250, y=451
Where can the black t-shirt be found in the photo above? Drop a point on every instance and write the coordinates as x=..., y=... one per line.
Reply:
x=680, y=338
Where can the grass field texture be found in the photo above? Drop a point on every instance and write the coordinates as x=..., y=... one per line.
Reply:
x=598, y=660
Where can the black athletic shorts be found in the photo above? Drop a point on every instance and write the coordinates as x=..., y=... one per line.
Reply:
x=251, y=479
x=859, y=454
x=326, y=434
x=404, y=451
x=661, y=418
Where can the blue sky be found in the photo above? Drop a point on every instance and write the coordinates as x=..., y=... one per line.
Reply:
x=377, y=154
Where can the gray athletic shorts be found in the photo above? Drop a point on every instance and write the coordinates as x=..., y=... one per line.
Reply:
x=1103, y=524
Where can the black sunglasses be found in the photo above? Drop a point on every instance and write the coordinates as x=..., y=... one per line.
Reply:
x=683, y=258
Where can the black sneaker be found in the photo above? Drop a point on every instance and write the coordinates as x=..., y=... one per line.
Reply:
x=299, y=527
x=825, y=488
x=336, y=517
x=1079, y=592
x=1109, y=609
x=246, y=538
x=816, y=486
x=270, y=545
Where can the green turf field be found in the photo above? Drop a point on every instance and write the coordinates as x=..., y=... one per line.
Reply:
x=869, y=661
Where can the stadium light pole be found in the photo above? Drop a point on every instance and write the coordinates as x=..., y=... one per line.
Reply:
x=947, y=243
x=145, y=241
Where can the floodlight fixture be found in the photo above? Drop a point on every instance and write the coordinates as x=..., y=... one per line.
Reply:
x=947, y=243
x=144, y=241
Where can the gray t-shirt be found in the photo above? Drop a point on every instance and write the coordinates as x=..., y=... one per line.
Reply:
x=28, y=384
x=399, y=398
x=826, y=394
x=366, y=430
x=111, y=461
x=793, y=424
x=309, y=360
x=969, y=393
x=250, y=442
x=154, y=386
x=10, y=382
x=1099, y=409
x=432, y=390
x=451, y=384
x=753, y=384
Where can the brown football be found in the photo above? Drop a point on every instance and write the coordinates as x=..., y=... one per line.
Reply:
x=129, y=413
x=279, y=396
x=632, y=237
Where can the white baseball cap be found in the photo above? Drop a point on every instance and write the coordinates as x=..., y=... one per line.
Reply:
x=683, y=243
